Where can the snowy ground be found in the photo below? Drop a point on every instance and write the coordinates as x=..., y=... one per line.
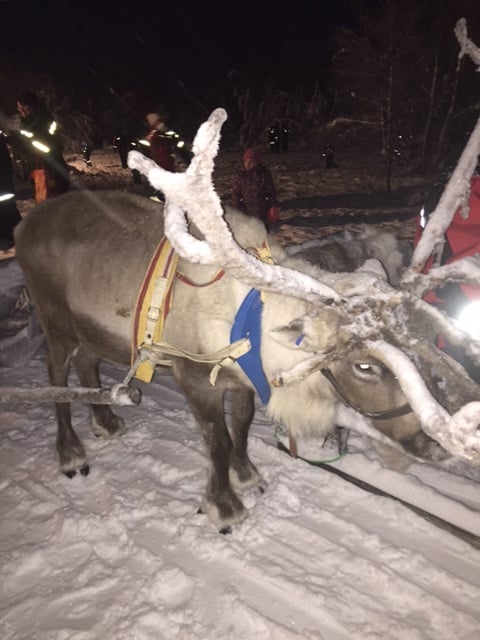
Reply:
x=123, y=554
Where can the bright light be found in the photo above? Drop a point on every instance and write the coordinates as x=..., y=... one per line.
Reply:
x=144, y=142
x=40, y=146
x=52, y=128
x=6, y=196
x=468, y=319
x=423, y=219
x=180, y=144
x=27, y=134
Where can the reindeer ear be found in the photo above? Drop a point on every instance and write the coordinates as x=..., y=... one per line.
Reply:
x=311, y=333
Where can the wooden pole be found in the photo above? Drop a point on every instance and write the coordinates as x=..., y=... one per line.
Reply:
x=119, y=394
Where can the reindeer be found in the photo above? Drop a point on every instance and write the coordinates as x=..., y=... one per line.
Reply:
x=311, y=343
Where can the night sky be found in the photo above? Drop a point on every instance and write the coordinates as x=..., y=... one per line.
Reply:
x=178, y=45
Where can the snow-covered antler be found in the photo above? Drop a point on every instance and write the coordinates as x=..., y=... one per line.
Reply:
x=466, y=271
x=459, y=433
x=458, y=187
x=466, y=45
x=193, y=192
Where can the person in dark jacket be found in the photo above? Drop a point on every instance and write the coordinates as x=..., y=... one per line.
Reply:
x=130, y=136
x=9, y=215
x=253, y=190
x=41, y=148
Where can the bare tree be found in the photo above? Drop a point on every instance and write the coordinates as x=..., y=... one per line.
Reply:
x=398, y=69
x=368, y=66
x=265, y=102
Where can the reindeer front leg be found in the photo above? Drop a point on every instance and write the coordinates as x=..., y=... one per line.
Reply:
x=220, y=503
x=243, y=473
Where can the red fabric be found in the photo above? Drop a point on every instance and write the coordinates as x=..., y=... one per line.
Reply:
x=161, y=150
x=272, y=214
x=463, y=236
x=40, y=184
x=253, y=192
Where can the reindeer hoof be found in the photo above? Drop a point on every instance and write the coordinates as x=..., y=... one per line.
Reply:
x=225, y=530
x=71, y=473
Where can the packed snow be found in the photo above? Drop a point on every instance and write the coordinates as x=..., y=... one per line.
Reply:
x=123, y=554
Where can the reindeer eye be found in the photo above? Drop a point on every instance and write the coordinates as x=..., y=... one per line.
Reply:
x=366, y=370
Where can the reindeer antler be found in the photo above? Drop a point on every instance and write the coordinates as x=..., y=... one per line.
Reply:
x=458, y=186
x=458, y=433
x=193, y=192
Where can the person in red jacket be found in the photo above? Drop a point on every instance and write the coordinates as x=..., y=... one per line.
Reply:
x=162, y=148
x=253, y=190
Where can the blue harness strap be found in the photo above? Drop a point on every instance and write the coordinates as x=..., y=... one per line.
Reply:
x=248, y=324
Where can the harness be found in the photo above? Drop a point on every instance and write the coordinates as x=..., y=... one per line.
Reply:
x=248, y=324
x=396, y=412
x=153, y=305
x=149, y=350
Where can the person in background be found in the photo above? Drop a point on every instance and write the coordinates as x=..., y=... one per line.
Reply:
x=253, y=190
x=86, y=153
x=9, y=215
x=328, y=155
x=129, y=136
x=278, y=137
x=162, y=148
x=40, y=146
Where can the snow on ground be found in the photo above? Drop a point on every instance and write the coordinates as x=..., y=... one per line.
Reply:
x=123, y=554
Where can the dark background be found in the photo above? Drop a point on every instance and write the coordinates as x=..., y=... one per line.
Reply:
x=100, y=62
x=167, y=48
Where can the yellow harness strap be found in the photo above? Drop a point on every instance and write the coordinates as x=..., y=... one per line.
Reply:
x=264, y=254
x=151, y=308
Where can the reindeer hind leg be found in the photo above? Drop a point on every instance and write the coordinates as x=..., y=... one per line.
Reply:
x=104, y=422
x=71, y=454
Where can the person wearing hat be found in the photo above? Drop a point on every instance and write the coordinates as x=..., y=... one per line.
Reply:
x=41, y=147
x=253, y=190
